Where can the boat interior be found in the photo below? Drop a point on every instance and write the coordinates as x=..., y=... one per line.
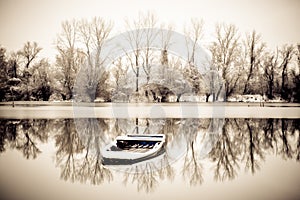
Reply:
x=134, y=146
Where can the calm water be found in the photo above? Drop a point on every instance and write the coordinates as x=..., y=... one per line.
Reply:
x=203, y=159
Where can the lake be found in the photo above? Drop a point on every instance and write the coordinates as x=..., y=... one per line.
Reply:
x=60, y=157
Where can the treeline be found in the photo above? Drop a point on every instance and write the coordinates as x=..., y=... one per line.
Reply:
x=242, y=64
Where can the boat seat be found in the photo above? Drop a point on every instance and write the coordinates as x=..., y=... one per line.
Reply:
x=114, y=148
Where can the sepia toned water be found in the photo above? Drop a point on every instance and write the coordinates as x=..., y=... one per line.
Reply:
x=204, y=158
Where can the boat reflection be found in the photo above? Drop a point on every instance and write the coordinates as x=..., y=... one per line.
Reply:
x=228, y=145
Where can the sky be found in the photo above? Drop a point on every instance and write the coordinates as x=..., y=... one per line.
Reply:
x=36, y=20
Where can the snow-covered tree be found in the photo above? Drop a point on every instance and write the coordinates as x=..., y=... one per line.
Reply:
x=286, y=53
x=3, y=73
x=69, y=57
x=28, y=55
x=41, y=81
x=226, y=56
x=254, y=52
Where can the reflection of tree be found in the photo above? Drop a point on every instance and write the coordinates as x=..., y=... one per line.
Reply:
x=240, y=142
x=79, y=153
x=298, y=148
x=170, y=129
x=248, y=140
x=144, y=176
x=24, y=135
x=295, y=131
x=8, y=132
x=225, y=153
x=99, y=172
x=253, y=146
x=166, y=170
x=33, y=131
x=286, y=149
x=283, y=137
x=268, y=129
x=28, y=146
x=68, y=144
x=148, y=175
x=192, y=168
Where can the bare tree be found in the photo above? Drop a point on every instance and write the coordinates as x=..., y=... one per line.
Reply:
x=212, y=85
x=166, y=42
x=134, y=38
x=29, y=52
x=287, y=52
x=253, y=52
x=149, y=22
x=121, y=80
x=194, y=32
x=225, y=55
x=141, y=51
x=4, y=76
x=271, y=65
x=69, y=57
x=93, y=35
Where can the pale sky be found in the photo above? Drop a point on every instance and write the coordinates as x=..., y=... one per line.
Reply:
x=278, y=21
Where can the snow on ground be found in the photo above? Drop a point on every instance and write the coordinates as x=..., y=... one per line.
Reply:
x=170, y=110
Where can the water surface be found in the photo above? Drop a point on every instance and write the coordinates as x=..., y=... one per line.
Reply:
x=210, y=158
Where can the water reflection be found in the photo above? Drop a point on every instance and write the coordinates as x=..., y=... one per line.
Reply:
x=227, y=144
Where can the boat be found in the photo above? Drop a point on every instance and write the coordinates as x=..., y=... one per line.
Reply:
x=132, y=149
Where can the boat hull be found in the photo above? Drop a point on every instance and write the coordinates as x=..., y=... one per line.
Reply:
x=121, y=161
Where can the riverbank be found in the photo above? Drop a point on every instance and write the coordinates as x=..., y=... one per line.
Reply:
x=107, y=104
x=54, y=110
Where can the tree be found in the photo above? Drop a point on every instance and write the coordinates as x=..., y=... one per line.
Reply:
x=141, y=52
x=3, y=74
x=28, y=54
x=212, y=85
x=296, y=78
x=175, y=79
x=134, y=38
x=226, y=56
x=195, y=33
x=13, y=65
x=121, y=80
x=103, y=87
x=41, y=81
x=166, y=42
x=148, y=22
x=92, y=35
x=253, y=52
x=270, y=72
x=69, y=57
x=287, y=52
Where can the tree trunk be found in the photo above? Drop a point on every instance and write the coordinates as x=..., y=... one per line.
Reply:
x=178, y=97
x=207, y=97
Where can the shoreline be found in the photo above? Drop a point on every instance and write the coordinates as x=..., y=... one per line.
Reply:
x=161, y=110
x=107, y=104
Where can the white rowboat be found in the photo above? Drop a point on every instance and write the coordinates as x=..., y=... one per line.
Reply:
x=131, y=149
